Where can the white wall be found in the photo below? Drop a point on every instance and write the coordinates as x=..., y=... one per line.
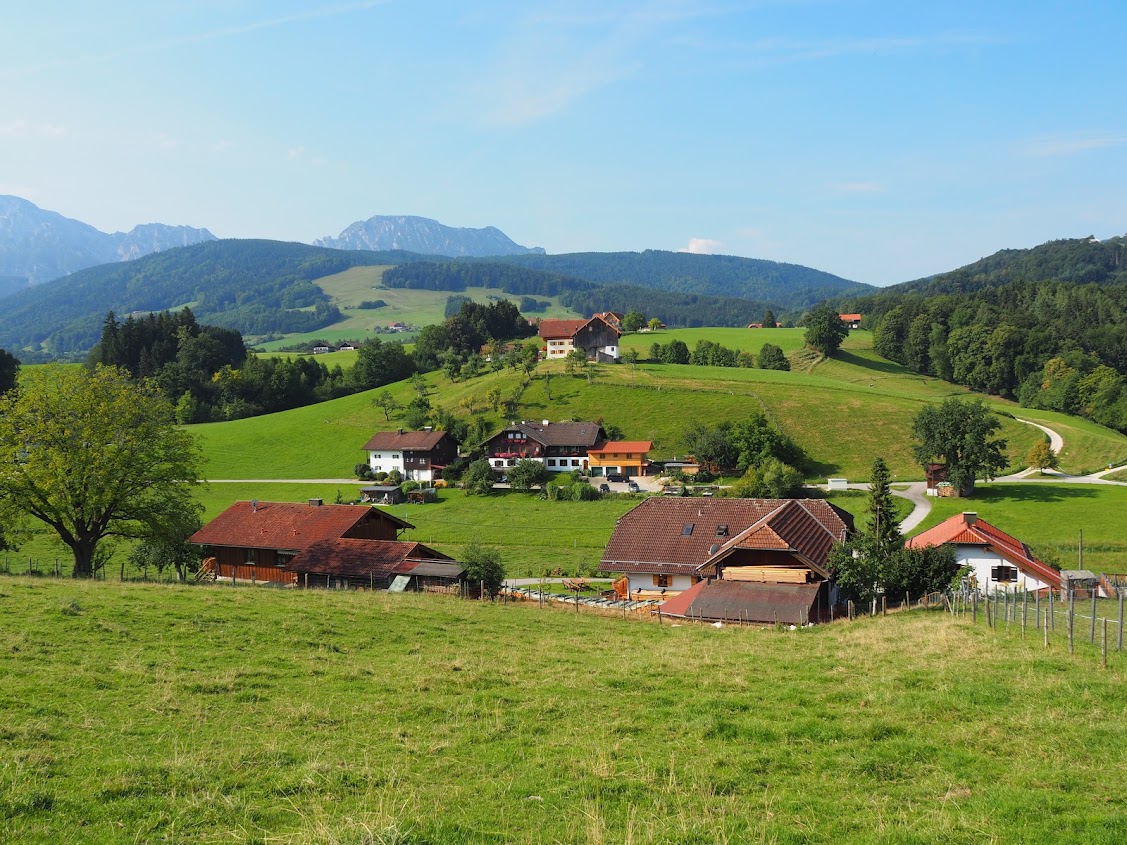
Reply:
x=982, y=560
x=677, y=583
x=385, y=461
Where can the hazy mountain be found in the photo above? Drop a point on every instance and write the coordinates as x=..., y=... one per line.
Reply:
x=426, y=237
x=39, y=245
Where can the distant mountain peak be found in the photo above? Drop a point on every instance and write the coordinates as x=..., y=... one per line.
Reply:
x=426, y=237
x=39, y=245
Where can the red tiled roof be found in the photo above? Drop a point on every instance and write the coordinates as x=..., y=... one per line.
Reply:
x=405, y=441
x=651, y=538
x=283, y=525
x=555, y=329
x=850, y=317
x=347, y=557
x=622, y=447
x=959, y=530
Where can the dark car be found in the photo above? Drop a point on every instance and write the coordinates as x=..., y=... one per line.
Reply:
x=619, y=479
x=632, y=486
x=604, y=488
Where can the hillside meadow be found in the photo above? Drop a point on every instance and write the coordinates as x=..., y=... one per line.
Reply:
x=144, y=713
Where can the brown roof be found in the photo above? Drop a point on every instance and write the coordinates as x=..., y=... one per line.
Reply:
x=555, y=329
x=405, y=441
x=967, y=529
x=738, y=601
x=585, y=434
x=616, y=447
x=344, y=556
x=284, y=525
x=652, y=537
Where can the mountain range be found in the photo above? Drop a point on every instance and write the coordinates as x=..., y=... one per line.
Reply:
x=426, y=237
x=37, y=245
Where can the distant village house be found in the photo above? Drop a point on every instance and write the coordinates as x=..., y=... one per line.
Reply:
x=852, y=321
x=561, y=446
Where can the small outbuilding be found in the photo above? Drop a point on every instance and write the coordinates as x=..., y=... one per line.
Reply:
x=382, y=494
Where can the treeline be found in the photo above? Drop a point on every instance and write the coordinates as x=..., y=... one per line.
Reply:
x=689, y=310
x=1051, y=344
x=458, y=275
x=709, y=354
x=459, y=340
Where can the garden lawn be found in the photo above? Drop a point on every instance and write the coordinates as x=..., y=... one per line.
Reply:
x=1049, y=518
x=145, y=713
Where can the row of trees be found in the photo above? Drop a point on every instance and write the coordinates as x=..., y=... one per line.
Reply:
x=707, y=353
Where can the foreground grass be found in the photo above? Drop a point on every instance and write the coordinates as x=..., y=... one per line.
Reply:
x=1049, y=517
x=153, y=713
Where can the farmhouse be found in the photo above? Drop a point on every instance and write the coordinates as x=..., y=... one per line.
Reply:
x=418, y=455
x=758, y=560
x=621, y=457
x=852, y=321
x=997, y=560
x=313, y=545
x=597, y=337
x=561, y=446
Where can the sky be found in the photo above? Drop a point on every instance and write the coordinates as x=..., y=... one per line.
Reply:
x=880, y=141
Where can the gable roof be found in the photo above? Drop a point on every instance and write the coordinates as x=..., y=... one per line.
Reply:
x=967, y=529
x=558, y=434
x=615, y=447
x=556, y=329
x=405, y=441
x=348, y=557
x=680, y=535
x=284, y=525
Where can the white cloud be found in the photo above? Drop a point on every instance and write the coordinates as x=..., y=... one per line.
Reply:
x=702, y=246
x=1065, y=145
x=222, y=145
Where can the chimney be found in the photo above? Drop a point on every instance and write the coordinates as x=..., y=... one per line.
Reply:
x=316, y=503
x=970, y=517
x=547, y=422
x=254, y=505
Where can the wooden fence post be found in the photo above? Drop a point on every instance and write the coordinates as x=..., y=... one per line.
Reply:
x=1092, y=628
x=974, y=607
x=1105, y=644
x=1119, y=644
x=1052, y=620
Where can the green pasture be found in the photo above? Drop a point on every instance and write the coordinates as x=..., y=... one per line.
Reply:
x=148, y=713
x=345, y=358
x=751, y=340
x=1049, y=518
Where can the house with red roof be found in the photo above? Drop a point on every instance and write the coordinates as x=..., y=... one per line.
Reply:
x=997, y=561
x=418, y=455
x=852, y=321
x=597, y=337
x=317, y=545
x=752, y=560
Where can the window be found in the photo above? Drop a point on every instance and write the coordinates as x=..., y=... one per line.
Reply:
x=551, y=462
x=1003, y=574
x=687, y=530
x=250, y=556
x=721, y=530
x=498, y=463
x=661, y=580
x=395, y=457
x=575, y=462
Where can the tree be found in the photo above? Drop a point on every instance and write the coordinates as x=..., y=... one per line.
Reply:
x=478, y=478
x=166, y=546
x=825, y=330
x=94, y=454
x=630, y=356
x=633, y=321
x=387, y=403
x=771, y=479
x=769, y=319
x=379, y=363
x=1041, y=456
x=675, y=352
x=771, y=357
x=528, y=474
x=9, y=371
x=654, y=324
x=484, y=567
x=576, y=359
x=711, y=446
x=883, y=527
x=958, y=434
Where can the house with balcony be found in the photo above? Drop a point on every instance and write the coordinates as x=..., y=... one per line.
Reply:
x=418, y=455
x=561, y=446
x=620, y=457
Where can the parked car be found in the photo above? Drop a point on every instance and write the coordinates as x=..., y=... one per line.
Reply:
x=604, y=488
x=618, y=479
x=632, y=486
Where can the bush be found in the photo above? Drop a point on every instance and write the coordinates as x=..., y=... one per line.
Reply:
x=394, y=477
x=380, y=476
x=363, y=472
x=408, y=486
x=583, y=492
x=439, y=484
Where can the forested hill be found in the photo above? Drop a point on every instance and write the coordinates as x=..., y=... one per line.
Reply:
x=255, y=286
x=1075, y=261
x=790, y=286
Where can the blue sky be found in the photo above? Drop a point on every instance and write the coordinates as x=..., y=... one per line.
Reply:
x=879, y=141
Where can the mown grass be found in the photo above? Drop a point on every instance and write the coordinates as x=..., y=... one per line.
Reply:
x=1049, y=517
x=156, y=713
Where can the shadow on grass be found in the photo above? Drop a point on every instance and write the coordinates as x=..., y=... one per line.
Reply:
x=846, y=357
x=821, y=469
x=1032, y=493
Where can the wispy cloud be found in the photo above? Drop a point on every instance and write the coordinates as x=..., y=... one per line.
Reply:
x=20, y=128
x=196, y=38
x=702, y=246
x=1067, y=145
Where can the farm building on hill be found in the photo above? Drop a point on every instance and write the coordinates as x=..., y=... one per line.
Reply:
x=316, y=545
x=597, y=337
x=757, y=560
x=561, y=446
x=997, y=560
x=852, y=321
x=418, y=455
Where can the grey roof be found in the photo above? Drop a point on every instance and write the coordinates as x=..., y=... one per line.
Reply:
x=1078, y=575
x=438, y=569
x=560, y=433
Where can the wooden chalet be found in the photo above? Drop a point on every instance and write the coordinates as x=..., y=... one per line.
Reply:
x=292, y=544
x=597, y=337
x=417, y=455
x=561, y=446
x=755, y=560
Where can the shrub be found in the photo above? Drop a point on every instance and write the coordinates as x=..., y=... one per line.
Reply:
x=394, y=477
x=408, y=486
x=380, y=476
x=439, y=484
x=363, y=472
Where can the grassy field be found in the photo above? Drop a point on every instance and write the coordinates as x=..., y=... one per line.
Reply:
x=751, y=340
x=1049, y=517
x=412, y=307
x=144, y=713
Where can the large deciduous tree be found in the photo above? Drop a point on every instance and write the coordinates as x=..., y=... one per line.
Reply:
x=94, y=454
x=959, y=435
x=824, y=330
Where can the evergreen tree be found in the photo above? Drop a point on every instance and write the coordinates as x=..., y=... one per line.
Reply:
x=884, y=527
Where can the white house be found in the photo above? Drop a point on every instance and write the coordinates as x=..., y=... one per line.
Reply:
x=418, y=455
x=997, y=560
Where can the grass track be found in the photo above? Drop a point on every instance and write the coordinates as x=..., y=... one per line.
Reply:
x=153, y=713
